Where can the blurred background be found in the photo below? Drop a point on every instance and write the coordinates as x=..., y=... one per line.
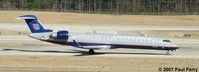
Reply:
x=133, y=7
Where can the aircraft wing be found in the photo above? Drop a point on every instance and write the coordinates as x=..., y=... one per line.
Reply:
x=76, y=44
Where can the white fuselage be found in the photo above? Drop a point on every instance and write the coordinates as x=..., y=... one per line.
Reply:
x=112, y=40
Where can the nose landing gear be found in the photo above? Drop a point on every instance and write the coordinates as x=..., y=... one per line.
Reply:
x=168, y=52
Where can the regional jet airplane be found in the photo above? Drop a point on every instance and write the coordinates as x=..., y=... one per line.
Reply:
x=93, y=41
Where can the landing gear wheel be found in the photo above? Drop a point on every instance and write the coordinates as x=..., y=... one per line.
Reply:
x=91, y=52
x=168, y=53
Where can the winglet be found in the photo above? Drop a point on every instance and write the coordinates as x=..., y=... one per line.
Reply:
x=76, y=44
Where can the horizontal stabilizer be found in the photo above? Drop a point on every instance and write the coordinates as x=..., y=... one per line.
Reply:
x=27, y=17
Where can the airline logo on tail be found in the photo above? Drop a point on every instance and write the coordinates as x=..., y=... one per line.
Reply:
x=36, y=26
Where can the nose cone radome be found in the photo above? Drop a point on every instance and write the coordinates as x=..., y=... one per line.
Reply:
x=174, y=46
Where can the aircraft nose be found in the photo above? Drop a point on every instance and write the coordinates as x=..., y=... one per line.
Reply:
x=175, y=46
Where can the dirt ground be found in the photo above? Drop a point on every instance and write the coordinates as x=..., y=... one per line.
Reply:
x=91, y=64
x=102, y=19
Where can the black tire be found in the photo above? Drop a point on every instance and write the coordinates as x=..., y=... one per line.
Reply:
x=91, y=52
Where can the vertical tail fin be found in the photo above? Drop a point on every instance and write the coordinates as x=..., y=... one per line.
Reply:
x=34, y=24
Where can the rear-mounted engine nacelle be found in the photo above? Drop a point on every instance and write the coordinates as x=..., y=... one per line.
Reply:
x=60, y=35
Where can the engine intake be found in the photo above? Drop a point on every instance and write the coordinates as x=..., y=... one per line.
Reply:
x=60, y=35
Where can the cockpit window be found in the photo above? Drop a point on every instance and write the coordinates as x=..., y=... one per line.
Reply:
x=166, y=41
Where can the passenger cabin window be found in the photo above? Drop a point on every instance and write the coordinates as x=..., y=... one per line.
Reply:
x=166, y=41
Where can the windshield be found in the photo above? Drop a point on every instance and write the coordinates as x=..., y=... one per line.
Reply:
x=166, y=41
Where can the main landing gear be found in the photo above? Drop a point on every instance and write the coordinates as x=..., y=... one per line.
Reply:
x=91, y=52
